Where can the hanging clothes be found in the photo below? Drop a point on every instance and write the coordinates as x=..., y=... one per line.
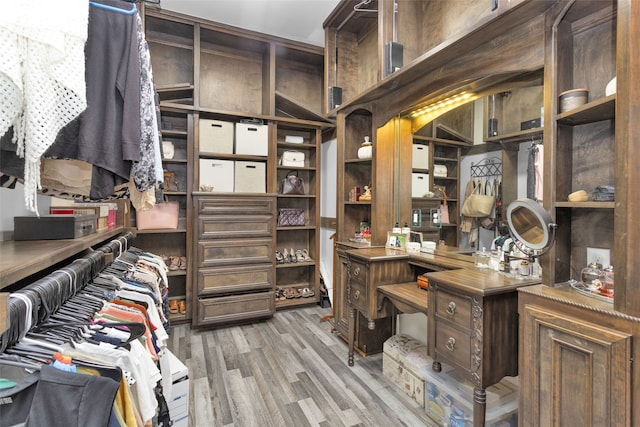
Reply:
x=107, y=134
x=42, y=77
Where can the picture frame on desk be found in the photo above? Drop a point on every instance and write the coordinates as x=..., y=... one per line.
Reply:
x=397, y=240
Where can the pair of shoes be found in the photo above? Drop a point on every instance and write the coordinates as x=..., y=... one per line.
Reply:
x=174, y=263
x=173, y=306
x=279, y=258
x=182, y=306
x=302, y=255
x=289, y=256
x=306, y=292
x=290, y=293
x=165, y=259
x=183, y=263
x=279, y=292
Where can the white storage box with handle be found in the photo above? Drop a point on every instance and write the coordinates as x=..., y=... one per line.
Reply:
x=216, y=136
x=419, y=184
x=216, y=175
x=420, y=156
x=250, y=177
x=252, y=139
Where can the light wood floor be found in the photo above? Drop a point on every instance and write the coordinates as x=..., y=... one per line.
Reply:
x=290, y=370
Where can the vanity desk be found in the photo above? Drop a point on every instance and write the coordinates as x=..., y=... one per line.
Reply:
x=473, y=326
x=472, y=312
x=381, y=282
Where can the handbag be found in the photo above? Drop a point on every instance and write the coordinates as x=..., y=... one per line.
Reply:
x=292, y=158
x=478, y=205
x=444, y=208
x=292, y=184
x=290, y=217
x=160, y=216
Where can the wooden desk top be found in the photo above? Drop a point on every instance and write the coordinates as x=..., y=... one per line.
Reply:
x=480, y=281
x=407, y=297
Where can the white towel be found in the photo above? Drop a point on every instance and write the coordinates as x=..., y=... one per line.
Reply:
x=294, y=139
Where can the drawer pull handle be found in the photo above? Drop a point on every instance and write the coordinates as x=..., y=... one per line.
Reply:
x=356, y=271
x=356, y=295
x=451, y=308
x=451, y=344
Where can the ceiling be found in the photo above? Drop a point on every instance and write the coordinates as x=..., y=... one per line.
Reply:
x=299, y=20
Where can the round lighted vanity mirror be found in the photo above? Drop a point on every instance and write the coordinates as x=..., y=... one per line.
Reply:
x=530, y=224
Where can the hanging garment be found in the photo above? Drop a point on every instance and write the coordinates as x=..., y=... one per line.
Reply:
x=531, y=171
x=147, y=172
x=42, y=76
x=107, y=134
x=539, y=173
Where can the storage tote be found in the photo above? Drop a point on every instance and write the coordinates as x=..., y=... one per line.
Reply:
x=216, y=175
x=216, y=136
x=252, y=139
x=250, y=177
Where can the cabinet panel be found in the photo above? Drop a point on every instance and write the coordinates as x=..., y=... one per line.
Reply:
x=578, y=372
x=237, y=308
x=221, y=252
x=215, y=281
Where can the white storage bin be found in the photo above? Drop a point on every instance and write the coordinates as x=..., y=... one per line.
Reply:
x=216, y=136
x=252, y=139
x=218, y=174
x=420, y=157
x=404, y=360
x=250, y=177
x=449, y=400
x=419, y=184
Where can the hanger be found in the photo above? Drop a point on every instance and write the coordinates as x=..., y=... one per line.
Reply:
x=133, y=10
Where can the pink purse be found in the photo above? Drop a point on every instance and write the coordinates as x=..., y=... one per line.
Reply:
x=161, y=216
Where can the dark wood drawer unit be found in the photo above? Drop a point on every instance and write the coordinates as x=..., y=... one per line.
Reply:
x=454, y=308
x=234, y=255
x=367, y=269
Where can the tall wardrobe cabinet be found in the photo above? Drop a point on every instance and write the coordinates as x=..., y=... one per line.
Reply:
x=247, y=99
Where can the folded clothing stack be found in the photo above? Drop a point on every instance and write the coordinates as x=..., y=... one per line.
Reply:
x=604, y=193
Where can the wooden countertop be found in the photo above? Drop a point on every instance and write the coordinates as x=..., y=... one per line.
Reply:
x=480, y=281
x=20, y=259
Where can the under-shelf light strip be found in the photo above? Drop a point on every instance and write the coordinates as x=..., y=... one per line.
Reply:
x=446, y=104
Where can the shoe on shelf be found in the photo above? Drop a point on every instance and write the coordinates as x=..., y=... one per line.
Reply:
x=299, y=256
x=165, y=259
x=183, y=263
x=292, y=255
x=290, y=293
x=174, y=263
x=305, y=254
x=182, y=306
x=173, y=306
x=279, y=258
x=285, y=255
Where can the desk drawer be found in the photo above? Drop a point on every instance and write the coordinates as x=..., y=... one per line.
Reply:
x=453, y=344
x=359, y=279
x=454, y=308
x=227, y=280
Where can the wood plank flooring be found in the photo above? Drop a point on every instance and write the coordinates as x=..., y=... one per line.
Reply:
x=290, y=370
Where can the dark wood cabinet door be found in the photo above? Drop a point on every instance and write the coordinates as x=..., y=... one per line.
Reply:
x=574, y=373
